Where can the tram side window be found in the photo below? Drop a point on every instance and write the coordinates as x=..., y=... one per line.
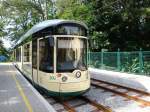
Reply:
x=26, y=53
x=46, y=55
x=14, y=55
x=18, y=54
x=34, y=54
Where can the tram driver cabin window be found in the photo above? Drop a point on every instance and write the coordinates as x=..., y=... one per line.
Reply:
x=46, y=52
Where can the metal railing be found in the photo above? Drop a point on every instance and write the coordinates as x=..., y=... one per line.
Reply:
x=137, y=62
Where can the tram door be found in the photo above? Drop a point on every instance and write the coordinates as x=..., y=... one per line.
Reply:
x=42, y=58
x=35, y=61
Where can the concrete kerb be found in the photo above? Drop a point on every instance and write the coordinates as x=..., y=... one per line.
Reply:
x=130, y=80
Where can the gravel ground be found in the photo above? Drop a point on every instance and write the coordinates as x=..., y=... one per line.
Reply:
x=115, y=102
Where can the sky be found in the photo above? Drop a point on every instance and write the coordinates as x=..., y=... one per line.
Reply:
x=7, y=43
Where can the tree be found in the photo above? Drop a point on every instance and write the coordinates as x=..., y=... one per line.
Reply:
x=21, y=15
x=73, y=10
x=3, y=51
x=120, y=24
x=112, y=24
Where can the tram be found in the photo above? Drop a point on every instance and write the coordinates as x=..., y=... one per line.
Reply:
x=53, y=56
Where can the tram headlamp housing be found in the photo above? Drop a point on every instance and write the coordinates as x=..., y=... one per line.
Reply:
x=64, y=78
x=78, y=74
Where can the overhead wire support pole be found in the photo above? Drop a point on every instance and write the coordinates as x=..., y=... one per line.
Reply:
x=102, y=59
x=118, y=60
x=141, y=65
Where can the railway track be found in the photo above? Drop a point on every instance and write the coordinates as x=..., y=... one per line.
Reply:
x=115, y=88
x=77, y=104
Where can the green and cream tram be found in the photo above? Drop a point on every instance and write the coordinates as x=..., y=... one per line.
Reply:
x=53, y=55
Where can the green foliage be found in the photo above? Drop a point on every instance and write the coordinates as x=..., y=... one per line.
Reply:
x=125, y=22
x=99, y=40
x=3, y=51
x=73, y=9
x=113, y=24
x=129, y=61
x=21, y=15
x=134, y=67
x=146, y=69
x=131, y=67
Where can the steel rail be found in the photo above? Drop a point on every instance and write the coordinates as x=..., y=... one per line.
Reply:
x=143, y=102
x=67, y=107
x=97, y=105
x=70, y=108
x=125, y=87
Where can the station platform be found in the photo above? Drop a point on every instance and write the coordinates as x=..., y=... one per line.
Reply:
x=17, y=94
x=134, y=81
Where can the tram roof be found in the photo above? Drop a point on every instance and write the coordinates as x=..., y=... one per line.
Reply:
x=45, y=24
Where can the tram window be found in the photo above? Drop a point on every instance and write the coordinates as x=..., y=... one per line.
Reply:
x=71, y=30
x=18, y=54
x=26, y=53
x=73, y=54
x=51, y=42
x=34, y=54
x=46, y=51
x=14, y=55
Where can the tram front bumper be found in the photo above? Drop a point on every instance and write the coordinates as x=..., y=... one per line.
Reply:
x=74, y=86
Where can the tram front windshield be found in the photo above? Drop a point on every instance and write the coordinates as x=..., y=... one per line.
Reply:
x=71, y=54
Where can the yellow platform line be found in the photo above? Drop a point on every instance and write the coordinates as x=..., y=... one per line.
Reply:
x=25, y=99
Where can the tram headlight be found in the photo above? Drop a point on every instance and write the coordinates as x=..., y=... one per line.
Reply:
x=78, y=74
x=59, y=75
x=64, y=78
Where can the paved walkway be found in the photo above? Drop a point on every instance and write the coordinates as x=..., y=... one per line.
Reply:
x=17, y=95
